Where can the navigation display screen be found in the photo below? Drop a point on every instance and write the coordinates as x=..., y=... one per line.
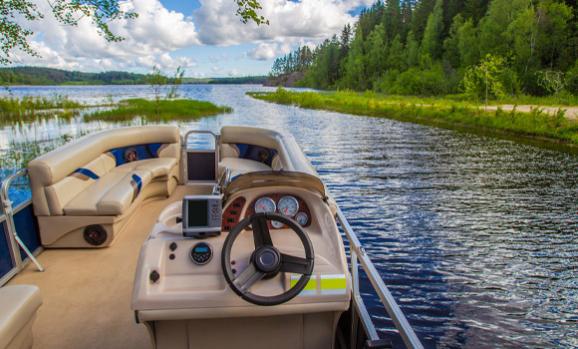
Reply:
x=197, y=213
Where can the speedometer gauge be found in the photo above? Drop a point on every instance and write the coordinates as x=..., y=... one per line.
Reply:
x=265, y=205
x=288, y=206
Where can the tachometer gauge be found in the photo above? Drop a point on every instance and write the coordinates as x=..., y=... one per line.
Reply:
x=288, y=206
x=265, y=205
x=302, y=218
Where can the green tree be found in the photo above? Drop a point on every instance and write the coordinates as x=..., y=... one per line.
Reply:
x=494, y=37
x=475, y=9
x=420, y=15
x=468, y=44
x=491, y=79
x=432, y=38
x=397, y=56
x=354, y=76
x=452, y=42
x=392, y=20
x=412, y=48
x=376, y=52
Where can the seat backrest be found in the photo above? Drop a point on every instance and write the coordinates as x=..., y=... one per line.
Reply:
x=56, y=177
x=19, y=304
x=289, y=156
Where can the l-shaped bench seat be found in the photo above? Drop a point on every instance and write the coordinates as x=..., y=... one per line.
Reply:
x=84, y=193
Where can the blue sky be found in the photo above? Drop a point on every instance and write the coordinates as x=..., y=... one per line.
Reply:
x=203, y=36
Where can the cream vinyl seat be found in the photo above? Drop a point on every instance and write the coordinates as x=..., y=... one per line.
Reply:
x=287, y=154
x=239, y=166
x=84, y=192
x=18, y=305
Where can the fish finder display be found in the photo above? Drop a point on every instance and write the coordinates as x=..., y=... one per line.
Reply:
x=197, y=214
x=201, y=216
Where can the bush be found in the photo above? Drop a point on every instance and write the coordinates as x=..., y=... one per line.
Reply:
x=572, y=80
x=415, y=81
x=491, y=78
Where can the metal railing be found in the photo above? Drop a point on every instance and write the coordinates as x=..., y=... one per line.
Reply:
x=360, y=257
x=9, y=212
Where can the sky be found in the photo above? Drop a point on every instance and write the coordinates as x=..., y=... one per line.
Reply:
x=205, y=37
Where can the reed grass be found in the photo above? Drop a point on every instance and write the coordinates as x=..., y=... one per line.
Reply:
x=436, y=112
x=15, y=110
x=162, y=110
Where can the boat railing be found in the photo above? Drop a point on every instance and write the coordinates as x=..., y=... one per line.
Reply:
x=9, y=211
x=359, y=257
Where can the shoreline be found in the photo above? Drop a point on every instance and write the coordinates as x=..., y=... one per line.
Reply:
x=534, y=126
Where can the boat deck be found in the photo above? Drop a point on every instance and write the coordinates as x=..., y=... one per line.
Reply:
x=87, y=292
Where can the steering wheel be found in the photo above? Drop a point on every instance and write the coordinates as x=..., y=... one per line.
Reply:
x=266, y=260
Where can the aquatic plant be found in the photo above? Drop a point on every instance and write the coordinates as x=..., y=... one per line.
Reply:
x=32, y=108
x=157, y=110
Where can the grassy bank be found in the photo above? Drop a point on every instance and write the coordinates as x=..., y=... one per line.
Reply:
x=436, y=112
x=157, y=111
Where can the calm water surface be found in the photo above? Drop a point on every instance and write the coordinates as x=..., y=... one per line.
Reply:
x=476, y=237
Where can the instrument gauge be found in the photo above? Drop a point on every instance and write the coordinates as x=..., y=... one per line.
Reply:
x=288, y=206
x=302, y=218
x=265, y=205
x=277, y=224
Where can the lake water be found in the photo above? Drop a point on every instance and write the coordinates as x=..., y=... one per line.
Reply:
x=476, y=237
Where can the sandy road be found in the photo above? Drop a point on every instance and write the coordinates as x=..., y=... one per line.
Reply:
x=571, y=112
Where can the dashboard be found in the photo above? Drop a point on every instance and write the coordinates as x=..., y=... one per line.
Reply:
x=289, y=205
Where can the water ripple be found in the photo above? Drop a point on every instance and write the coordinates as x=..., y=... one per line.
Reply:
x=476, y=237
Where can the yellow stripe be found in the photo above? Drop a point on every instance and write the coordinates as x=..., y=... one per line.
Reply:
x=311, y=284
x=333, y=284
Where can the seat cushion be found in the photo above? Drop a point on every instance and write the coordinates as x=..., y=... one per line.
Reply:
x=158, y=167
x=110, y=195
x=119, y=197
x=85, y=203
x=239, y=166
x=19, y=304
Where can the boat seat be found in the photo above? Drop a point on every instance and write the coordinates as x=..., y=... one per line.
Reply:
x=110, y=195
x=239, y=166
x=91, y=186
x=159, y=167
x=19, y=304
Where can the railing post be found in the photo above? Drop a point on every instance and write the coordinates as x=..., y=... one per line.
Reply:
x=355, y=292
x=358, y=255
x=9, y=213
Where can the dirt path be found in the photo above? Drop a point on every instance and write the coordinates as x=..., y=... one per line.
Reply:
x=571, y=112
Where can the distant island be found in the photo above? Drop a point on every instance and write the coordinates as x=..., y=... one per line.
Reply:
x=48, y=76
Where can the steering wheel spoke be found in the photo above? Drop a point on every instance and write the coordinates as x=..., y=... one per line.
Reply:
x=261, y=234
x=248, y=278
x=292, y=264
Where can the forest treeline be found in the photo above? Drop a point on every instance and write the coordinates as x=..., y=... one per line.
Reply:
x=483, y=48
x=49, y=76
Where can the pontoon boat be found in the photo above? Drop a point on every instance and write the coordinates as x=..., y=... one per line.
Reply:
x=239, y=245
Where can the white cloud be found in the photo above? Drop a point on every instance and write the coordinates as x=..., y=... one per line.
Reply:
x=288, y=19
x=153, y=38
x=148, y=40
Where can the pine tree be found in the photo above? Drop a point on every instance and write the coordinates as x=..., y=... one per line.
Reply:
x=432, y=38
x=412, y=48
x=392, y=20
x=376, y=52
x=452, y=43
